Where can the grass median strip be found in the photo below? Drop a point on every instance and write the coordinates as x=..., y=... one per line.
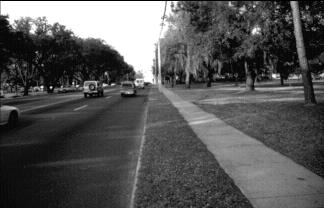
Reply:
x=177, y=170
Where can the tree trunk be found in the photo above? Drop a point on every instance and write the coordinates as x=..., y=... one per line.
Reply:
x=26, y=87
x=271, y=68
x=282, y=79
x=303, y=63
x=219, y=67
x=187, y=79
x=250, y=77
x=210, y=76
x=209, y=82
x=174, y=77
x=70, y=78
x=188, y=68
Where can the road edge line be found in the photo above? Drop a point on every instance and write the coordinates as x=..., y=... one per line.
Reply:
x=138, y=165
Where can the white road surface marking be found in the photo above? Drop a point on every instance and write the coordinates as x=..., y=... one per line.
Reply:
x=79, y=108
x=82, y=161
x=20, y=144
x=108, y=97
x=44, y=106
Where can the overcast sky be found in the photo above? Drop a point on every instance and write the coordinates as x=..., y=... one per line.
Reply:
x=131, y=28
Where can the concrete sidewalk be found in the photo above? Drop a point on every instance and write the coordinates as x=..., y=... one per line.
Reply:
x=267, y=178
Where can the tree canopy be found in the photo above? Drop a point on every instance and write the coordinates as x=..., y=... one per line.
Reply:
x=250, y=39
x=34, y=51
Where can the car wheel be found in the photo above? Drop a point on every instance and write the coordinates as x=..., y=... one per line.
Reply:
x=13, y=119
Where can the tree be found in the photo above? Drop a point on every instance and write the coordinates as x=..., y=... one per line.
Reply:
x=57, y=53
x=183, y=38
x=6, y=37
x=38, y=51
x=23, y=53
x=307, y=80
x=214, y=34
x=139, y=75
x=173, y=56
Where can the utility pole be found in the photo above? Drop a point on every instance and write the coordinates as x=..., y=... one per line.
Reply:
x=159, y=52
x=156, y=65
x=159, y=65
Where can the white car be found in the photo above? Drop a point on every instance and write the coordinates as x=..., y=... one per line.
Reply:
x=9, y=115
x=321, y=75
x=139, y=83
x=127, y=88
x=93, y=87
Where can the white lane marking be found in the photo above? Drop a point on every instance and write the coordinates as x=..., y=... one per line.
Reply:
x=60, y=102
x=82, y=161
x=43, y=106
x=108, y=97
x=79, y=108
x=20, y=144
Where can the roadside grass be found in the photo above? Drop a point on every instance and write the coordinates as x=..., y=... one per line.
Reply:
x=176, y=169
x=274, y=115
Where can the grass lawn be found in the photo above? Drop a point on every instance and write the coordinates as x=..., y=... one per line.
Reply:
x=176, y=169
x=272, y=114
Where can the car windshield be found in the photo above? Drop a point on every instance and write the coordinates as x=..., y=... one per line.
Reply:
x=127, y=85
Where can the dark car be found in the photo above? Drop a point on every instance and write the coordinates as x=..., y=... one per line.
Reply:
x=69, y=88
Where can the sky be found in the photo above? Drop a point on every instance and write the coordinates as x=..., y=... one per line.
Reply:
x=132, y=27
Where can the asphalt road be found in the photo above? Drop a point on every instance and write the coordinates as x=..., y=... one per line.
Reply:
x=70, y=151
